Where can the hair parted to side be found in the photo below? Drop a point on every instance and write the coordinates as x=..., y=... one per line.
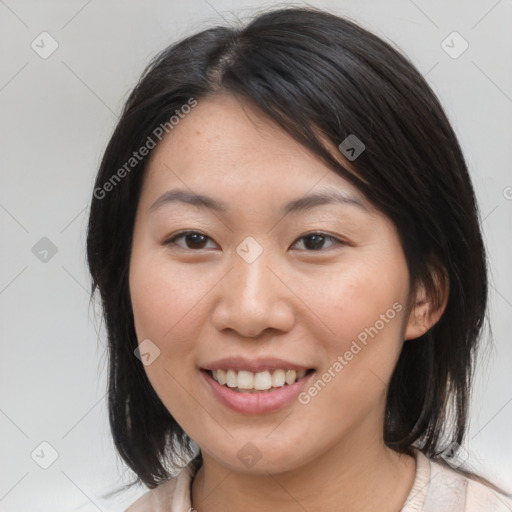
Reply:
x=312, y=73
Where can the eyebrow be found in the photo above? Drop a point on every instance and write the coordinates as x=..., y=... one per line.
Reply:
x=301, y=204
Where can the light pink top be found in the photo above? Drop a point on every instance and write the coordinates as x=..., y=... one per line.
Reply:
x=435, y=489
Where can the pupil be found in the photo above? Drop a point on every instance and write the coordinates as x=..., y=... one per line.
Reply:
x=317, y=241
x=196, y=238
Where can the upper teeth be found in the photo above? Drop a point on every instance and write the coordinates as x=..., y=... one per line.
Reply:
x=260, y=381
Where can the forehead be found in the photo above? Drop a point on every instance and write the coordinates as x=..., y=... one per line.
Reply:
x=226, y=145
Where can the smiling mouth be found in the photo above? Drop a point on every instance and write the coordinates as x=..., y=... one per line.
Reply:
x=244, y=381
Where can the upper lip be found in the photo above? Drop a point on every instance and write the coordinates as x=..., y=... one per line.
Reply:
x=253, y=365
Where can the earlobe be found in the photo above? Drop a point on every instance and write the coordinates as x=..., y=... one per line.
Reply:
x=426, y=311
x=420, y=320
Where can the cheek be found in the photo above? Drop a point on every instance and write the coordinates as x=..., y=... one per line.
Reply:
x=167, y=311
x=364, y=310
x=165, y=298
x=360, y=297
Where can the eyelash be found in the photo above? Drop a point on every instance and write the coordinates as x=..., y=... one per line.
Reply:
x=182, y=234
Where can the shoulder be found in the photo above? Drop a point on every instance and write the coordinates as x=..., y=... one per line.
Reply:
x=458, y=492
x=155, y=499
x=481, y=497
x=169, y=496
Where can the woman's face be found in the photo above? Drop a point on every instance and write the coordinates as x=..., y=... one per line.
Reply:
x=254, y=291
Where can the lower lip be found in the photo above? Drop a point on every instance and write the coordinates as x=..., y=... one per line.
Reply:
x=256, y=403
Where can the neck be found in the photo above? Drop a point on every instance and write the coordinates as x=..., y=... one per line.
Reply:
x=344, y=478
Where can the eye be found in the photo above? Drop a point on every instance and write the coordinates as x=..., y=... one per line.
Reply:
x=315, y=241
x=197, y=240
x=193, y=240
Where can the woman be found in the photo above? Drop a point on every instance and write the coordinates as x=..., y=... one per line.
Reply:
x=287, y=246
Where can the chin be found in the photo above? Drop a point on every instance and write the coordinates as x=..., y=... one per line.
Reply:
x=259, y=457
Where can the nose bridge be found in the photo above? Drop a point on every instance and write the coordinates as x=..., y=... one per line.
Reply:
x=253, y=299
x=252, y=280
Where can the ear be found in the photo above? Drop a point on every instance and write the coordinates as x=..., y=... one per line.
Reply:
x=426, y=310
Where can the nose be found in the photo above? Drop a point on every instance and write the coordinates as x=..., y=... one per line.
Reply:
x=253, y=298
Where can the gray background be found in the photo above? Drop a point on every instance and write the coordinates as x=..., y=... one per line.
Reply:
x=56, y=117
